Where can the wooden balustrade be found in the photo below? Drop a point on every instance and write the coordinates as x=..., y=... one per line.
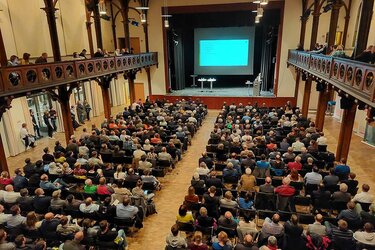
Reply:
x=352, y=77
x=20, y=80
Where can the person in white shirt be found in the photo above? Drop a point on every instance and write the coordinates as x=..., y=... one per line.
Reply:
x=26, y=136
x=366, y=237
x=322, y=140
x=202, y=169
x=364, y=196
x=88, y=206
x=3, y=217
x=298, y=145
x=9, y=196
x=313, y=177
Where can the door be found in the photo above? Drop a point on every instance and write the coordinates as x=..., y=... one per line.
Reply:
x=135, y=44
x=139, y=91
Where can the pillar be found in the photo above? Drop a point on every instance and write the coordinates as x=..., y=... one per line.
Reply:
x=113, y=20
x=125, y=17
x=324, y=97
x=98, y=27
x=315, y=24
x=364, y=26
x=306, y=97
x=51, y=19
x=145, y=30
x=346, y=130
x=104, y=83
x=5, y=103
x=3, y=53
x=346, y=25
x=89, y=32
x=3, y=159
x=131, y=77
x=333, y=23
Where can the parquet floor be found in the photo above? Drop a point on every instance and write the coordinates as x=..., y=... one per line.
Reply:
x=175, y=184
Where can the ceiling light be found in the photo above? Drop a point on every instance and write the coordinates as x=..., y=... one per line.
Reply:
x=260, y=12
x=142, y=8
x=102, y=8
x=166, y=15
x=254, y=11
x=256, y=1
x=263, y=2
x=143, y=18
x=257, y=19
x=166, y=23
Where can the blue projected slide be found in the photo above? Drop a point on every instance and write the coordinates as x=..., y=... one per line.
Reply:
x=223, y=52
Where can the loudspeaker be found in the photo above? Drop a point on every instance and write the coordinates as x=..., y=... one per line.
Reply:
x=320, y=86
x=345, y=103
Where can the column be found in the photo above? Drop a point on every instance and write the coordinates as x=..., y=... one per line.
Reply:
x=98, y=27
x=346, y=130
x=324, y=96
x=113, y=25
x=5, y=103
x=131, y=77
x=333, y=23
x=51, y=18
x=346, y=25
x=89, y=32
x=104, y=83
x=3, y=53
x=306, y=97
x=364, y=26
x=125, y=17
x=315, y=24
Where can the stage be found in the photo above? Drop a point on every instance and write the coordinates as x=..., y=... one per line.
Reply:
x=221, y=92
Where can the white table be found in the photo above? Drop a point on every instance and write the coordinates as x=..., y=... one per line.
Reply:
x=211, y=80
x=202, y=80
x=193, y=76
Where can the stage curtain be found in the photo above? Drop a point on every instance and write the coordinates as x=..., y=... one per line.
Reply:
x=179, y=61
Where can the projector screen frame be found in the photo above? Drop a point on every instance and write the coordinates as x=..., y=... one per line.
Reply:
x=224, y=33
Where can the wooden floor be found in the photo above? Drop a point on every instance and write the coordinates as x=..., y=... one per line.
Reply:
x=175, y=184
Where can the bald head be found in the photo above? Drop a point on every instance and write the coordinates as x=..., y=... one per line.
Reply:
x=319, y=218
x=276, y=218
x=248, y=239
x=78, y=236
x=228, y=215
x=268, y=180
x=9, y=188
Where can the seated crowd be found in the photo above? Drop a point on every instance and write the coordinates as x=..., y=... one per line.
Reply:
x=101, y=185
x=266, y=181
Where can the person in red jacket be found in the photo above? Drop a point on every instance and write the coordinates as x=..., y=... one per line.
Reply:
x=296, y=164
x=285, y=190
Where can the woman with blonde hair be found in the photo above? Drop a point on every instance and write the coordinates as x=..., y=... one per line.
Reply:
x=223, y=242
x=197, y=243
x=202, y=169
x=119, y=174
x=32, y=222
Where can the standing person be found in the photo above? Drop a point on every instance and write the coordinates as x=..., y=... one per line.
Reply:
x=53, y=115
x=87, y=109
x=48, y=122
x=73, y=116
x=35, y=124
x=80, y=112
x=26, y=136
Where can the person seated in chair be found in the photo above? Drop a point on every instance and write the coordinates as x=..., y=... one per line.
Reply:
x=41, y=202
x=271, y=244
x=46, y=184
x=66, y=228
x=56, y=201
x=9, y=196
x=272, y=227
x=342, y=170
x=174, y=240
x=339, y=233
x=49, y=225
x=204, y=221
x=227, y=201
x=364, y=196
x=184, y=216
x=126, y=211
x=3, y=243
x=365, y=237
x=230, y=174
x=88, y=206
x=317, y=227
x=16, y=219
x=331, y=179
x=107, y=235
x=350, y=215
x=342, y=195
x=247, y=244
x=227, y=220
x=267, y=186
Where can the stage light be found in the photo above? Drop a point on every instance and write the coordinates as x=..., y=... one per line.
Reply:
x=263, y=2
x=143, y=18
x=166, y=23
x=256, y=1
x=257, y=19
x=260, y=12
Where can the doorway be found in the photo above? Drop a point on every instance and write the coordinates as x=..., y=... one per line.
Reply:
x=134, y=43
x=139, y=91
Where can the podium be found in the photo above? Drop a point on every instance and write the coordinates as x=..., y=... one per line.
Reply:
x=202, y=80
x=193, y=76
x=256, y=85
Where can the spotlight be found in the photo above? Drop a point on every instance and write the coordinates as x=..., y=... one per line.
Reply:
x=260, y=12
x=166, y=23
x=143, y=18
x=263, y=2
x=256, y=1
x=257, y=19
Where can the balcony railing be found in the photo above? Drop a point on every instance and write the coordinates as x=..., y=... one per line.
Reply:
x=352, y=77
x=19, y=80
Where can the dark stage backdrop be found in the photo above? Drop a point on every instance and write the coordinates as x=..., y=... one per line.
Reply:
x=181, y=45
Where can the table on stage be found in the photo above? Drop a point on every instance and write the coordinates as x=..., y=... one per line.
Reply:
x=211, y=80
x=202, y=80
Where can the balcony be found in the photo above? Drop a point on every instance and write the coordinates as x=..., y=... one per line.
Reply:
x=351, y=77
x=24, y=79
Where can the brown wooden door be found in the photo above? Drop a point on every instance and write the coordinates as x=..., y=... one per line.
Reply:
x=139, y=91
x=135, y=44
